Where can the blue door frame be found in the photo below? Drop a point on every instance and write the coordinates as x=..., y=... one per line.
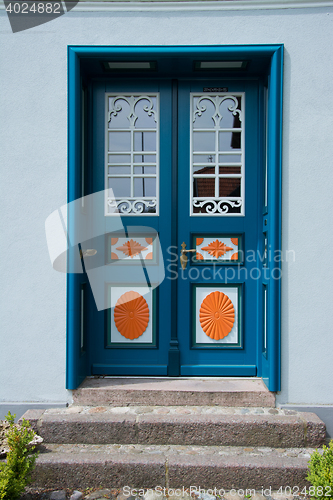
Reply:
x=269, y=61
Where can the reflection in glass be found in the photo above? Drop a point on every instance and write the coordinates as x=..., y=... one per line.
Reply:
x=229, y=141
x=144, y=141
x=229, y=186
x=204, y=158
x=119, y=141
x=227, y=158
x=121, y=186
x=145, y=170
x=203, y=187
x=204, y=170
x=203, y=141
x=119, y=158
x=144, y=186
x=230, y=170
x=122, y=169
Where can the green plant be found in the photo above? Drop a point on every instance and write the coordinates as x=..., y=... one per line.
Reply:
x=16, y=471
x=320, y=473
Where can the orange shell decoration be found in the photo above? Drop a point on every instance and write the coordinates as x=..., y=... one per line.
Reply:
x=131, y=315
x=217, y=315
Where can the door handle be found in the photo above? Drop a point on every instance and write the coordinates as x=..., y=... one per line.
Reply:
x=90, y=252
x=183, y=256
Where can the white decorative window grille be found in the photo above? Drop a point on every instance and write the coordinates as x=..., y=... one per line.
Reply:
x=217, y=154
x=132, y=154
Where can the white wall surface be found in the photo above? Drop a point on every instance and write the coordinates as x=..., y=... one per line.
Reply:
x=33, y=95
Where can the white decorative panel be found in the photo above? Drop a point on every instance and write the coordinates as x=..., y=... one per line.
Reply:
x=131, y=315
x=217, y=154
x=217, y=315
x=132, y=154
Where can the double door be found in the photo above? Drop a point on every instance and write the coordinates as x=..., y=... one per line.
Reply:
x=177, y=267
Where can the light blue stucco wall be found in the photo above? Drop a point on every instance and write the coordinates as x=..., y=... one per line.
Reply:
x=33, y=95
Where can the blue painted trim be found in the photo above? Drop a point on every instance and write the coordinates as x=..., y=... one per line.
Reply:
x=75, y=360
x=274, y=215
x=244, y=50
x=71, y=361
x=275, y=51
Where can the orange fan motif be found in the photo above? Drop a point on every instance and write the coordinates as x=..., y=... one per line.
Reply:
x=131, y=248
x=217, y=249
x=217, y=315
x=131, y=315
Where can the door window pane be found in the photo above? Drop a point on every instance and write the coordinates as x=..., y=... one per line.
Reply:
x=145, y=170
x=144, y=141
x=144, y=158
x=227, y=158
x=121, y=186
x=230, y=170
x=203, y=187
x=228, y=186
x=229, y=120
x=118, y=118
x=119, y=158
x=205, y=111
x=204, y=158
x=144, y=186
x=119, y=141
x=204, y=170
x=122, y=169
x=144, y=109
x=229, y=141
x=203, y=141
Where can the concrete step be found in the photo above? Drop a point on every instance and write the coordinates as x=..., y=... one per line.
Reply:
x=148, y=466
x=174, y=425
x=124, y=391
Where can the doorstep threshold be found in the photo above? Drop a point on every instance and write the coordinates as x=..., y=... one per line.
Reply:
x=165, y=391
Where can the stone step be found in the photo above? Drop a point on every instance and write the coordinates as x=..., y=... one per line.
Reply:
x=173, y=392
x=174, y=425
x=148, y=466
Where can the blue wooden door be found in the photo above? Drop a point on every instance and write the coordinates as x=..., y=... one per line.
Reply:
x=178, y=164
x=218, y=203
